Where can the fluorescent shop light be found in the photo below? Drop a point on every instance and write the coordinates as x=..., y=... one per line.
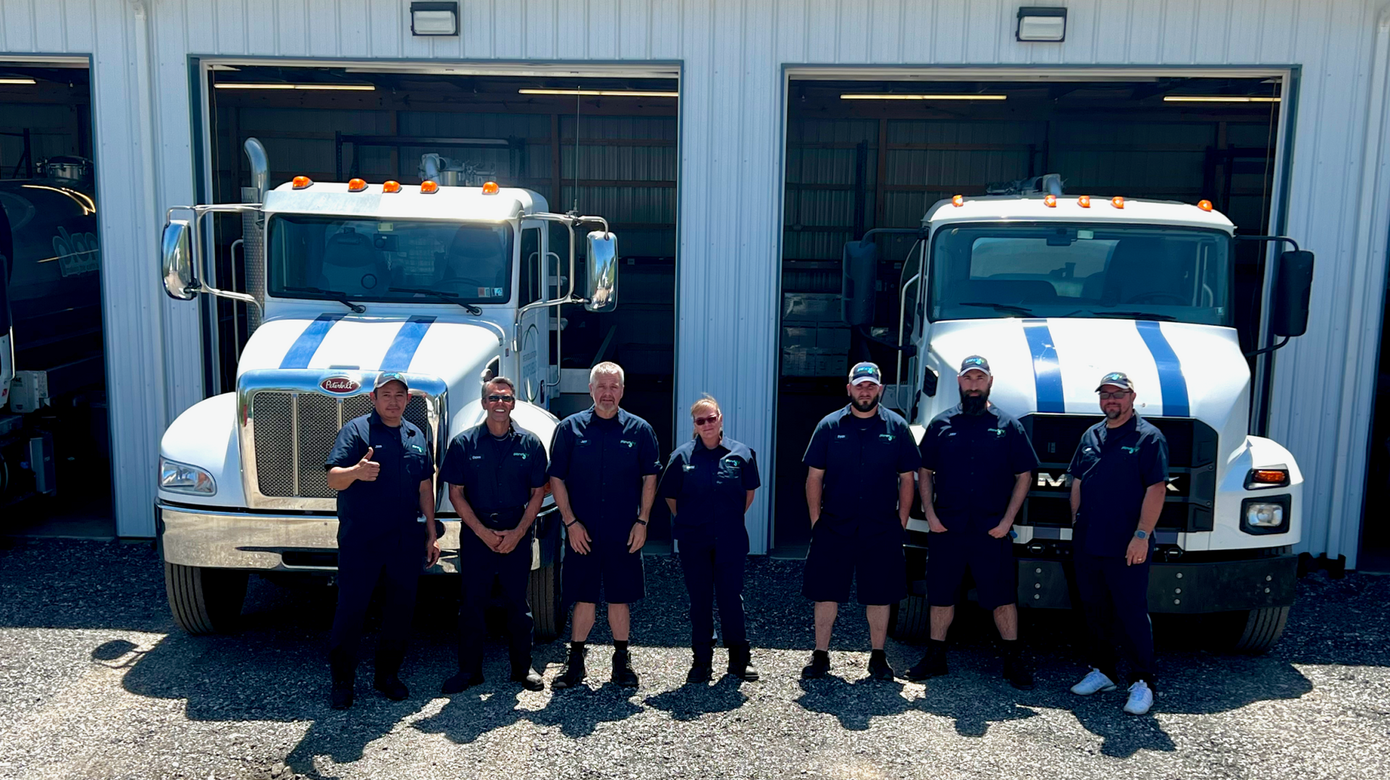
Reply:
x=922, y=97
x=315, y=87
x=18, y=82
x=598, y=92
x=1217, y=99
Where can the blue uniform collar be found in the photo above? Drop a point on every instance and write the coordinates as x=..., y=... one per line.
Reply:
x=375, y=419
x=959, y=409
x=847, y=413
x=620, y=418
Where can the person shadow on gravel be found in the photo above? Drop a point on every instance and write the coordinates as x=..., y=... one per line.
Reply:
x=854, y=704
x=692, y=700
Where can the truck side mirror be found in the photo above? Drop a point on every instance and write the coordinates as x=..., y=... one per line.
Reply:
x=179, y=280
x=1289, y=315
x=603, y=272
x=860, y=271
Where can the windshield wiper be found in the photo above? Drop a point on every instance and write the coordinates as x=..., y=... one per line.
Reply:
x=447, y=297
x=342, y=298
x=1001, y=307
x=1135, y=315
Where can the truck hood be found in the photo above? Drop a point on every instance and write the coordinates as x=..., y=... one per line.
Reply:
x=1054, y=365
x=455, y=352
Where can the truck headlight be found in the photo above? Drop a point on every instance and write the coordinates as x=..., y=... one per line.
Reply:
x=182, y=478
x=1265, y=515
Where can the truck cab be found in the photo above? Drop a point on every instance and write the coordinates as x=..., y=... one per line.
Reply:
x=446, y=284
x=1056, y=291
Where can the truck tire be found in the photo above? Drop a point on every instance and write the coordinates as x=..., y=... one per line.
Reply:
x=910, y=619
x=204, y=601
x=1256, y=631
x=543, y=592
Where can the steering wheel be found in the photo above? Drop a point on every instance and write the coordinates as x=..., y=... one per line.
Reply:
x=1158, y=296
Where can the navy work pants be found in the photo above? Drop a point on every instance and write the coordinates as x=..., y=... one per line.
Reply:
x=713, y=566
x=478, y=566
x=1115, y=599
x=395, y=562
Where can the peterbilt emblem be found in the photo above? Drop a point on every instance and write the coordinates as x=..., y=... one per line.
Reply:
x=340, y=385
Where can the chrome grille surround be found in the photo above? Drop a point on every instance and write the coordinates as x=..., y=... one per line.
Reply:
x=286, y=425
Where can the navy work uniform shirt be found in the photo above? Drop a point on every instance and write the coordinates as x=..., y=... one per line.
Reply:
x=497, y=473
x=602, y=463
x=1116, y=466
x=862, y=458
x=391, y=504
x=975, y=459
x=710, y=485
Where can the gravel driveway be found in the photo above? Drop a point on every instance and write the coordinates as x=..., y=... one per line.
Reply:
x=97, y=682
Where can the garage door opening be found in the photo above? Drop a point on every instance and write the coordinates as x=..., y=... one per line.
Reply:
x=603, y=145
x=875, y=154
x=55, y=465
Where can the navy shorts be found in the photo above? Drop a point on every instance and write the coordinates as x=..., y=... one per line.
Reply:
x=868, y=553
x=608, y=573
x=967, y=546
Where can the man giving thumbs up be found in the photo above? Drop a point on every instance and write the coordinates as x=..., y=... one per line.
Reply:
x=383, y=469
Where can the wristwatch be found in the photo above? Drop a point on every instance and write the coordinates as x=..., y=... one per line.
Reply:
x=1141, y=534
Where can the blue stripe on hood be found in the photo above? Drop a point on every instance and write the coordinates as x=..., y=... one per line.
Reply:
x=1047, y=372
x=407, y=341
x=304, y=347
x=1171, y=383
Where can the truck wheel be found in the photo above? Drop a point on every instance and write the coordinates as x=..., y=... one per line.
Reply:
x=910, y=620
x=544, y=594
x=1256, y=631
x=204, y=601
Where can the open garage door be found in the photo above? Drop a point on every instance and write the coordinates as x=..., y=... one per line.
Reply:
x=605, y=143
x=54, y=452
x=869, y=154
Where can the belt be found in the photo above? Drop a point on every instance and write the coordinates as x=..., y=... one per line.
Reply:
x=503, y=519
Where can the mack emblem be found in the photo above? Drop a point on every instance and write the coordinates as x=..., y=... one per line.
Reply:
x=339, y=384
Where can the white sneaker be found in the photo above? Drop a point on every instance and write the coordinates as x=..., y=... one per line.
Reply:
x=1140, y=698
x=1093, y=682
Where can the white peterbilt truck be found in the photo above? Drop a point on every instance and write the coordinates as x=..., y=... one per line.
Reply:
x=444, y=283
x=1057, y=290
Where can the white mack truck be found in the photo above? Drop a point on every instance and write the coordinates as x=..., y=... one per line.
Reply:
x=444, y=283
x=1057, y=290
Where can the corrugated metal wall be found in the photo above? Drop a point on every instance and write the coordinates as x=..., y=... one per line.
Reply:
x=732, y=135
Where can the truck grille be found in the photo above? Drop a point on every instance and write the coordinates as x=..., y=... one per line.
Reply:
x=1192, y=448
x=288, y=431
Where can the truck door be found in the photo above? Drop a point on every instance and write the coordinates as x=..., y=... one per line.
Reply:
x=534, y=338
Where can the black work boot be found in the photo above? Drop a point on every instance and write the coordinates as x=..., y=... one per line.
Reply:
x=1016, y=668
x=572, y=675
x=622, y=669
x=344, y=671
x=819, y=666
x=465, y=679
x=878, y=666
x=702, y=666
x=524, y=672
x=933, y=664
x=387, y=680
x=741, y=662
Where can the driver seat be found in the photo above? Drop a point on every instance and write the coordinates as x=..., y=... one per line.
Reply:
x=352, y=265
x=1139, y=267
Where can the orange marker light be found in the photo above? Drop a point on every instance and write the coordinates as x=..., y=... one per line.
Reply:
x=958, y=201
x=428, y=187
x=1084, y=201
x=1050, y=201
x=1204, y=205
x=391, y=186
x=1118, y=202
x=490, y=188
x=300, y=182
x=356, y=185
x=1269, y=476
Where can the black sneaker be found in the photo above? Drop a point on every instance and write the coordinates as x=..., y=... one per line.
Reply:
x=622, y=670
x=819, y=666
x=529, y=678
x=461, y=682
x=572, y=675
x=879, y=668
x=933, y=664
x=392, y=688
x=341, y=698
x=1018, y=674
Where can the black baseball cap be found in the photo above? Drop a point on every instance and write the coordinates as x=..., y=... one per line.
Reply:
x=865, y=372
x=1116, y=378
x=386, y=377
x=975, y=363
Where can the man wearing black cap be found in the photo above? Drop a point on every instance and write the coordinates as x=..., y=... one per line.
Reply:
x=383, y=469
x=860, y=466
x=977, y=463
x=1119, y=477
x=496, y=476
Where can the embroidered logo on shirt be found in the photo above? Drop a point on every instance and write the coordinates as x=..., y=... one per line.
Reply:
x=629, y=444
x=417, y=448
x=839, y=436
x=522, y=455
x=887, y=436
x=998, y=432
x=687, y=467
x=1130, y=450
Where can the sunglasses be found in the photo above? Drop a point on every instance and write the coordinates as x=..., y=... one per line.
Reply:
x=1115, y=396
x=706, y=420
x=501, y=399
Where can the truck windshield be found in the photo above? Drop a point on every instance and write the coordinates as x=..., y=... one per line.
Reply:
x=1081, y=270
x=363, y=259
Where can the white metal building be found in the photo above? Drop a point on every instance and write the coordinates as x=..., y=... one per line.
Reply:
x=735, y=60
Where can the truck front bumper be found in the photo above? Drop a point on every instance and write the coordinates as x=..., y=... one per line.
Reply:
x=232, y=539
